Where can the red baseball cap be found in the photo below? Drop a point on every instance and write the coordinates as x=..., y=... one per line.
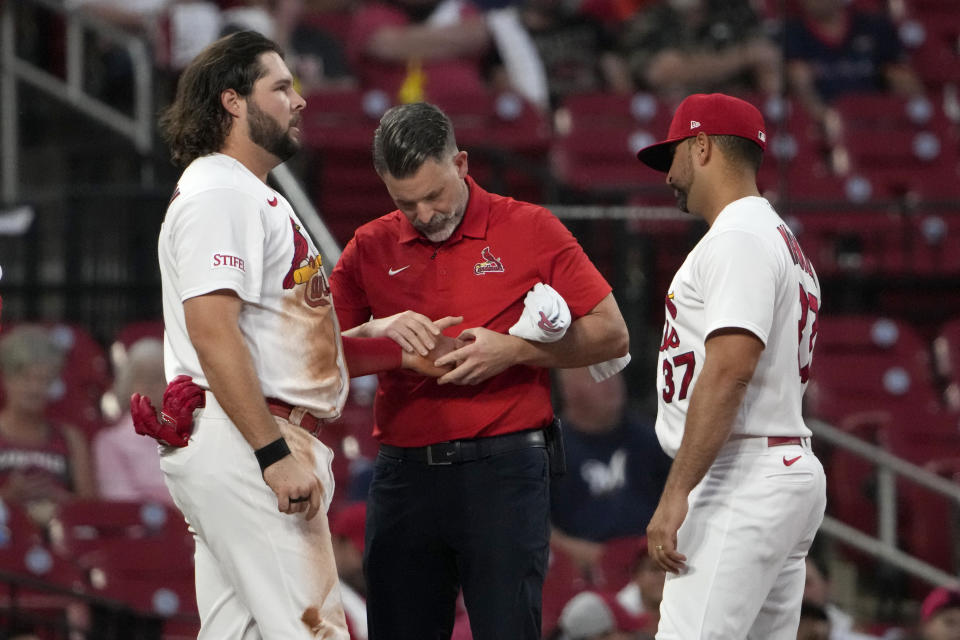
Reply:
x=937, y=600
x=715, y=114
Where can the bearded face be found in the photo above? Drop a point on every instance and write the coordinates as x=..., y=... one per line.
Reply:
x=680, y=176
x=268, y=133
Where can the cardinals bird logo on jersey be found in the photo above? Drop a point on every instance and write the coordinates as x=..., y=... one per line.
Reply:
x=490, y=264
x=307, y=270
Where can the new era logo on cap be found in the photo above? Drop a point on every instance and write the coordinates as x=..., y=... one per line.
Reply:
x=714, y=114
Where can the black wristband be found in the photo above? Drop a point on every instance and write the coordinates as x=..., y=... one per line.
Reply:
x=267, y=455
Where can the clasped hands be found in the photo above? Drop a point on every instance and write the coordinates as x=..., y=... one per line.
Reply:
x=470, y=358
x=475, y=355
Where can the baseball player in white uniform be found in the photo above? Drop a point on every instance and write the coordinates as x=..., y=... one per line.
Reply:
x=745, y=494
x=248, y=316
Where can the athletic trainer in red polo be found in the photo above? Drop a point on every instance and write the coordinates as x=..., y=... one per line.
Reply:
x=460, y=493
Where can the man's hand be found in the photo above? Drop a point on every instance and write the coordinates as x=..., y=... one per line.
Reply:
x=485, y=354
x=414, y=332
x=297, y=487
x=175, y=424
x=662, y=533
x=425, y=365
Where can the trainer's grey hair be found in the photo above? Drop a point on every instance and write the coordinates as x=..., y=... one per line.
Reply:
x=408, y=136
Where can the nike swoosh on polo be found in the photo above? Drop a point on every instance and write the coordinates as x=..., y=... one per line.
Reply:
x=790, y=461
x=393, y=272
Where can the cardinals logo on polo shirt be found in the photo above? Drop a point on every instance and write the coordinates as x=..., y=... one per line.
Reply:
x=306, y=270
x=490, y=264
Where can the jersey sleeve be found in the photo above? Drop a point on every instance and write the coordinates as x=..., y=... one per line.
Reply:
x=564, y=265
x=738, y=276
x=349, y=297
x=217, y=240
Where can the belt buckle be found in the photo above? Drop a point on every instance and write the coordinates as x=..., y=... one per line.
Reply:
x=448, y=453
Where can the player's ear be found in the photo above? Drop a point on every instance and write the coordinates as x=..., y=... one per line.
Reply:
x=702, y=148
x=231, y=102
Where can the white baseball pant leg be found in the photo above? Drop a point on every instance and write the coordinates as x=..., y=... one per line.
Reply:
x=750, y=523
x=260, y=574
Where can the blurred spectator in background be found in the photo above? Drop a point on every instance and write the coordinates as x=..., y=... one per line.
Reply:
x=642, y=595
x=833, y=48
x=816, y=593
x=679, y=47
x=419, y=49
x=316, y=57
x=940, y=615
x=127, y=464
x=615, y=467
x=177, y=29
x=577, y=52
x=593, y=616
x=41, y=463
x=814, y=623
x=347, y=530
x=319, y=60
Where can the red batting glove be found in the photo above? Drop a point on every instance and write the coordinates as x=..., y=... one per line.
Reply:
x=175, y=424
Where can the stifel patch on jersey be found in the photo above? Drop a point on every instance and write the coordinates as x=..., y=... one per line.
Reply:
x=226, y=260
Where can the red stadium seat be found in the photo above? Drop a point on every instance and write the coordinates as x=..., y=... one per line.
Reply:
x=25, y=556
x=862, y=242
x=152, y=576
x=934, y=248
x=338, y=134
x=597, y=138
x=929, y=521
x=851, y=490
x=131, y=333
x=902, y=145
x=507, y=139
x=87, y=525
x=563, y=580
x=618, y=561
x=869, y=365
x=931, y=32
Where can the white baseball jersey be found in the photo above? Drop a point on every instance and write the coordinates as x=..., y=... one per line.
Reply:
x=226, y=229
x=747, y=272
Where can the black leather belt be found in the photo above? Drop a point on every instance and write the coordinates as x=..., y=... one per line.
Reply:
x=457, y=451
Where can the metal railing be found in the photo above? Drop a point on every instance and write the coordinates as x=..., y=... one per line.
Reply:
x=138, y=128
x=890, y=468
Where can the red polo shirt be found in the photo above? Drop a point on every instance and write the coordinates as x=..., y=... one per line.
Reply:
x=501, y=249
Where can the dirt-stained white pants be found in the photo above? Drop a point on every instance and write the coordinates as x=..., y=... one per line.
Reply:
x=750, y=523
x=260, y=574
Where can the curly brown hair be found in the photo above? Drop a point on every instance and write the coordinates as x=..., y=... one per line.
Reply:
x=196, y=124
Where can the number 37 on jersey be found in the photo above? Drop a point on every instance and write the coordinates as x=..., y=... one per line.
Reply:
x=679, y=370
